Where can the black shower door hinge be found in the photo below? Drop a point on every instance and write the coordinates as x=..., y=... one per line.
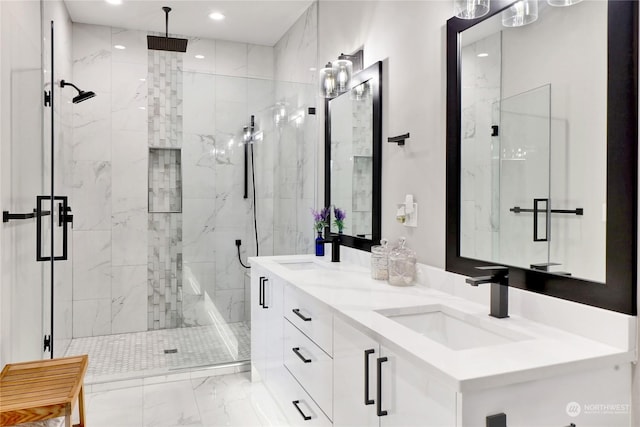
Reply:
x=47, y=98
x=47, y=343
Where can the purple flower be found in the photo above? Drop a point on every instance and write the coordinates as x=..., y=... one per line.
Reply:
x=320, y=218
x=339, y=215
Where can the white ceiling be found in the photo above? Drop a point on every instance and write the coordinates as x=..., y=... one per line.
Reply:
x=248, y=21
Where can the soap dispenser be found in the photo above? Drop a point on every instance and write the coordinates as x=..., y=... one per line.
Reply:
x=380, y=261
x=402, y=265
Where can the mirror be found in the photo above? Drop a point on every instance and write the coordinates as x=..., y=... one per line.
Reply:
x=542, y=150
x=353, y=135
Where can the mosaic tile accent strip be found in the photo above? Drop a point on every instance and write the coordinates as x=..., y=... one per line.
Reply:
x=165, y=99
x=165, y=180
x=165, y=271
x=142, y=353
x=165, y=95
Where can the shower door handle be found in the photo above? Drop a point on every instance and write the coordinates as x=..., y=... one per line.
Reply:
x=64, y=218
x=536, y=210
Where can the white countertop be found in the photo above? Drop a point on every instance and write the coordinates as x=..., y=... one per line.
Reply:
x=544, y=352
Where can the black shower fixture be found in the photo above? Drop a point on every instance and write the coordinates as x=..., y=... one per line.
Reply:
x=167, y=43
x=82, y=95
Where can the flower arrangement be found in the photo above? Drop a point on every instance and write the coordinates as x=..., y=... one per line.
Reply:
x=320, y=218
x=339, y=215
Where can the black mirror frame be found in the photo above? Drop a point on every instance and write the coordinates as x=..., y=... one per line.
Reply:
x=619, y=292
x=373, y=73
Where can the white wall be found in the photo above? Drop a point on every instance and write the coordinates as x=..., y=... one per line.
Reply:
x=409, y=37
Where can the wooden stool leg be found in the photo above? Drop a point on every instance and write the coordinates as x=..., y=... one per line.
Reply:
x=81, y=406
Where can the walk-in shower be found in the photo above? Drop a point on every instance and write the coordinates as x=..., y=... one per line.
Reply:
x=153, y=167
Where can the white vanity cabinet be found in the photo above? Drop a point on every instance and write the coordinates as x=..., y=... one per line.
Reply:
x=328, y=350
x=266, y=323
x=376, y=386
x=411, y=398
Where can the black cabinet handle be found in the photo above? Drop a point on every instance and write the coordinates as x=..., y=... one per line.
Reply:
x=296, y=311
x=264, y=293
x=296, y=350
x=381, y=413
x=367, y=401
x=306, y=417
x=261, y=292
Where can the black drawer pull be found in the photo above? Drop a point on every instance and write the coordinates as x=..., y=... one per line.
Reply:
x=306, y=417
x=264, y=293
x=296, y=311
x=296, y=350
x=380, y=412
x=261, y=292
x=367, y=401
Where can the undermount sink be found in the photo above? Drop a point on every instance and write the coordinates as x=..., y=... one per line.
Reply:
x=451, y=328
x=302, y=265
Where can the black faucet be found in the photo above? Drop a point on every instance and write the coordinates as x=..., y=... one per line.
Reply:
x=499, y=280
x=335, y=247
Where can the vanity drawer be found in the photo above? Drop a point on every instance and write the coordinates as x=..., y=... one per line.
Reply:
x=311, y=366
x=304, y=412
x=311, y=317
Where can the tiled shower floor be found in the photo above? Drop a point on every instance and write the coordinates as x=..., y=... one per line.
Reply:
x=132, y=355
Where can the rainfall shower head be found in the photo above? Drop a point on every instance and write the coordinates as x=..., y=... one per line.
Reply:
x=82, y=95
x=167, y=43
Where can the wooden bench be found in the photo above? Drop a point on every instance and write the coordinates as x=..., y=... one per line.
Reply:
x=43, y=389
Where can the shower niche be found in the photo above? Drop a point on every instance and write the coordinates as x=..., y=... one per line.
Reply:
x=165, y=180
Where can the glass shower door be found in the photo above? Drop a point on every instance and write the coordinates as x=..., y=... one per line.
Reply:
x=524, y=134
x=25, y=280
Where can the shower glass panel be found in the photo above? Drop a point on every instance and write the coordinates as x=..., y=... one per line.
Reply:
x=524, y=184
x=189, y=307
x=26, y=320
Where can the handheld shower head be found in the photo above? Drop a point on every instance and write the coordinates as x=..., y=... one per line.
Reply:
x=82, y=95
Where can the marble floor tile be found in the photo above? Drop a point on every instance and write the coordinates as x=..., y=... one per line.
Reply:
x=170, y=404
x=227, y=400
x=122, y=408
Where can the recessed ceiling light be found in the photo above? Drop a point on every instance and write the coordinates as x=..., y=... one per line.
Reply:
x=119, y=46
x=483, y=55
x=199, y=56
x=116, y=2
x=216, y=16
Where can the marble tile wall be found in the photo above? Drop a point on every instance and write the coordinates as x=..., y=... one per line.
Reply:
x=165, y=251
x=297, y=147
x=109, y=198
x=111, y=157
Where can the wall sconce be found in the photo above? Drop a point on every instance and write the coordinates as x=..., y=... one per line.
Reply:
x=521, y=13
x=328, y=83
x=335, y=77
x=470, y=9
